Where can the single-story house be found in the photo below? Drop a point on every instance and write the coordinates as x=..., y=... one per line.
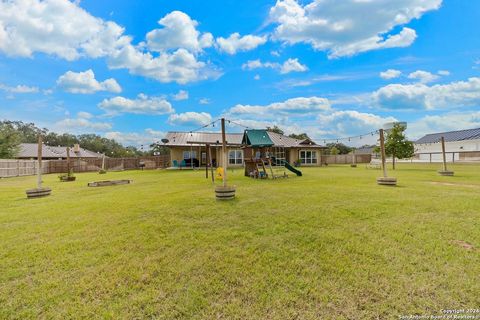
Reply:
x=190, y=148
x=30, y=151
x=463, y=145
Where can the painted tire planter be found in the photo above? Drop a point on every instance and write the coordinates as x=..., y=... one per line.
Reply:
x=106, y=183
x=225, y=193
x=387, y=181
x=445, y=173
x=38, y=192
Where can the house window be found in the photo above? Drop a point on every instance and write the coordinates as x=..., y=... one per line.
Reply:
x=235, y=157
x=308, y=157
x=189, y=155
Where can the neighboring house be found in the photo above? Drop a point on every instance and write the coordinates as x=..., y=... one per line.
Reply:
x=191, y=148
x=30, y=151
x=463, y=145
x=367, y=150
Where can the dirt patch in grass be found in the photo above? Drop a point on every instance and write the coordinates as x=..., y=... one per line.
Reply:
x=463, y=244
x=455, y=184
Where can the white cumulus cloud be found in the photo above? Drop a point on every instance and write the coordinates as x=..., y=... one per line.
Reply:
x=421, y=96
x=136, y=139
x=350, y=27
x=179, y=31
x=235, y=43
x=180, y=95
x=290, y=65
x=181, y=66
x=85, y=83
x=450, y=121
x=190, y=118
x=19, y=89
x=62, y=28
x=82, y=123
x=56, y=27
x=143, y=104
x=299, y=106
x=204, y=101
x=390, y=74
x=423, y=76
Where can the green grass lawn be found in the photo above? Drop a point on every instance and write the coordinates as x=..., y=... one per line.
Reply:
x=328, y=245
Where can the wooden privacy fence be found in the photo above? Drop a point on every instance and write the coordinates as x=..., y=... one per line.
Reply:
x=15, y=168
x=346, y=158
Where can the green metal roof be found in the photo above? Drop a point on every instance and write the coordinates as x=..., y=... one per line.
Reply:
x=257, y=138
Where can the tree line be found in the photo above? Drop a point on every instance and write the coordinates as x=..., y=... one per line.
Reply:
x=13, y=133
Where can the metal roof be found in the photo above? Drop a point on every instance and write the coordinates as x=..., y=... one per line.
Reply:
x=257, y=138
x=30, y=150
x=180, y=139
x=460, y=135
x=288, y=142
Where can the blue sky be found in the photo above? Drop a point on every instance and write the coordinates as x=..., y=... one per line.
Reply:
x=133, y=70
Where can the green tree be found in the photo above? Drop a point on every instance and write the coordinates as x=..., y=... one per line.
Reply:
x=397, y=145
x=275, y=129
x=158, y=149
x=301, y=136
x=342, y=149
x=28, y=133
x=334, y=151
x=9, y=141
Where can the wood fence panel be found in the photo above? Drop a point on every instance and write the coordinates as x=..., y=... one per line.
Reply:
x=346, y=158
x=15, y=168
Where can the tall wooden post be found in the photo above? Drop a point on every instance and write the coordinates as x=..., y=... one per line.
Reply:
x=191, y=156
x=211, y=163
x=445, y=171
x=224, y=153
x=68, y=160
x=382, y=149
x=207, y=146
x=39, y=191
x=103, y=162
x=39, y=155
x=444, y=155
x=223, y=192
x=354, y=159
x=388, y=181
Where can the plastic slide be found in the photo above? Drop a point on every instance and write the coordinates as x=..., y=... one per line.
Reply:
x=291, y=168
